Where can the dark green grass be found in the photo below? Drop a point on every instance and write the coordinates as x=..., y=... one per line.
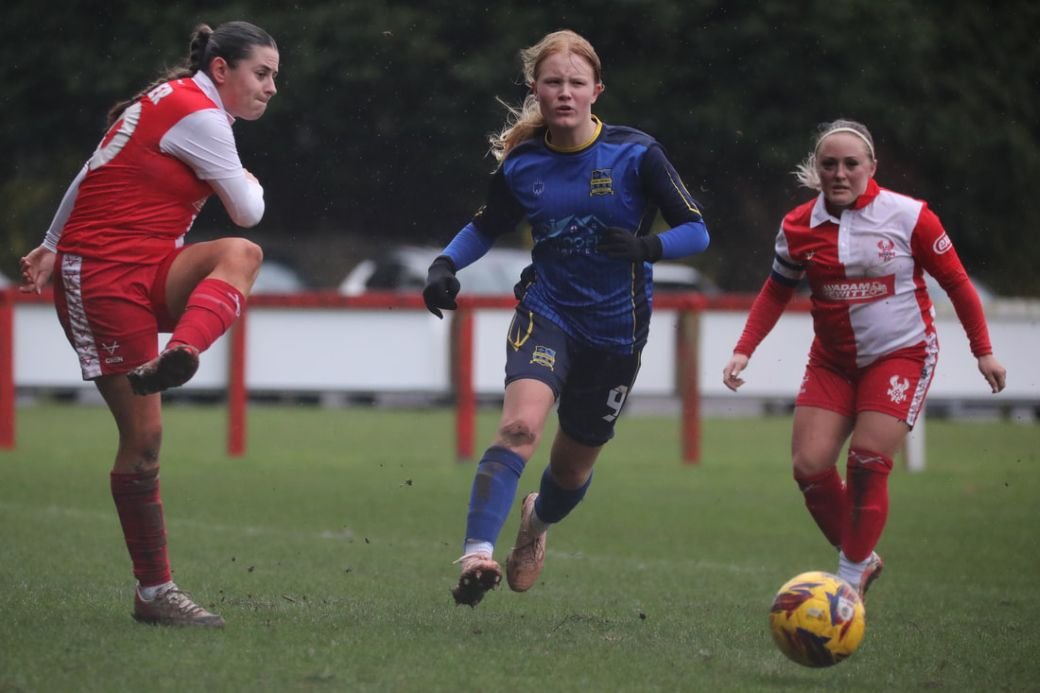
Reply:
x=328, y=549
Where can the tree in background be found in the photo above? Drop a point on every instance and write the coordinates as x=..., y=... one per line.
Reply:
x=383, y=105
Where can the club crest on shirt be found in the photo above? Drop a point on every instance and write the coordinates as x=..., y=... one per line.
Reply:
x=886, y=249
x=544, y=356
x=538, y=188
x=601, y=182
x=897, y=391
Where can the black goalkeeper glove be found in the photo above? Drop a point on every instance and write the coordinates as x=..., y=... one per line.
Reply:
x=623, y=245
x=441, y=286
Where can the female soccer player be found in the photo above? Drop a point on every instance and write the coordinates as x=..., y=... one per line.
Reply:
x=125, y=274
x=864, y=250
x=590, y=192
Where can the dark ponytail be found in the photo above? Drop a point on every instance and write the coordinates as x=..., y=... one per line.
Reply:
x=231, y=41
x=197, y=47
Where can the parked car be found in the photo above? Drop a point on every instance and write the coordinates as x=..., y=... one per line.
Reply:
x=404, y=269
x=277, y=278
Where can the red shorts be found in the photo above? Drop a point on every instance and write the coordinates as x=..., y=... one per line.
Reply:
x=112, y=312
x=895, y=384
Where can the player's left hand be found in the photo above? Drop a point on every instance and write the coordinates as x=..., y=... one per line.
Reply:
x=994, y=373
x=624, y=245
x=36, y=269
x=731, y=373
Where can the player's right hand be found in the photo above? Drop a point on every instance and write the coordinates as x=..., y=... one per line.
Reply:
x=731, y=373
x=441, y=286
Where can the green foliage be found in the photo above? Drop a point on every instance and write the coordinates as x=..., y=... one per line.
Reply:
x=328, y=549
x=380, y=126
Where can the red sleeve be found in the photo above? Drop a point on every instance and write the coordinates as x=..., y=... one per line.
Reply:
x=969, y=311
x=767, y=308
x=934, y=250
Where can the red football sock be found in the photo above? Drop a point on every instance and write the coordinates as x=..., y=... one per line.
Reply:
x=141, y=514
x=867, y=492
x=211, y=310
x=825, y=498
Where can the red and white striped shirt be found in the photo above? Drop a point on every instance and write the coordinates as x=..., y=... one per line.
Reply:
x=149, y=177
x=865, y=271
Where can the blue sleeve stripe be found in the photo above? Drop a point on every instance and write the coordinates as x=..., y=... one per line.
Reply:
x=685, y=239
x=468, y=246
x=785, y=280
x=788, y=265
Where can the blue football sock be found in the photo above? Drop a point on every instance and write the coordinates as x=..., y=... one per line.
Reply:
x=555, y=503
x=494, y=489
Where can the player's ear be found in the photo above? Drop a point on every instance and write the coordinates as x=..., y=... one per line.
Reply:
x=597, y=90
x=218, y=70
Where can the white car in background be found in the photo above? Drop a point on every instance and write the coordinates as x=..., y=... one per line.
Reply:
x=404, y=269
x=277, y=278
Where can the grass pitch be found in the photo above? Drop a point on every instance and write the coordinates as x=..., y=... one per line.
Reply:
x=328, y=550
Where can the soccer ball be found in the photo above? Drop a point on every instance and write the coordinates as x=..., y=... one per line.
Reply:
x=817, y=619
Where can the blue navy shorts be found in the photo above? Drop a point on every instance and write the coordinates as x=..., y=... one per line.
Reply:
x=591, y=385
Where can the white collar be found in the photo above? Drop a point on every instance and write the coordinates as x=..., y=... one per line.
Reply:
x=210, y=89
x=820, y=215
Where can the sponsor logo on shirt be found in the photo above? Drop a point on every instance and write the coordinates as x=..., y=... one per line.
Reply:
x=886, y=250
x=601, y=183
x=862, y=290
x=942, y=244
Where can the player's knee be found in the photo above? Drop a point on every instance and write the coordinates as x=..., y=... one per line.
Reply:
x=809, y=465
x=247, y=254
x=143, y=447
x=240, y=257
x=518, y=434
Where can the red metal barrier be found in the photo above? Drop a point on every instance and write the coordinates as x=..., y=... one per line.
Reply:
x=462, y=381
x=7, y=394
x=238, y=394
x=689, y=307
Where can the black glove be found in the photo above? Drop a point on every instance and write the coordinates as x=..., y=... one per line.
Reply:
x=624, y=245
x=441, y=286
